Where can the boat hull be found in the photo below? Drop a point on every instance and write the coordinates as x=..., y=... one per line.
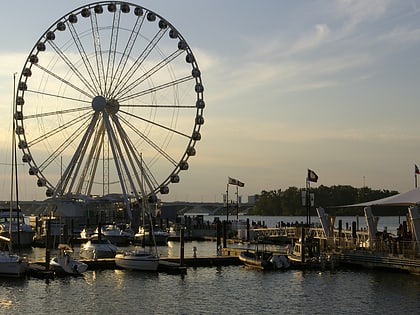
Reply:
x=137, y=261
x=264, y=260
x=12, y=265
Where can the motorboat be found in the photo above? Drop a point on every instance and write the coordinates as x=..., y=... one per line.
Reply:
x=158, y=236
x=22, y=234
x=64, y=264
x=11, y=265
x=114, y=234
x=307, y=254
x=137, y=260
x=264, y=260
x=97, y=248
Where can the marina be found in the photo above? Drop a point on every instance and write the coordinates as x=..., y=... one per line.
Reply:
x=292, y=291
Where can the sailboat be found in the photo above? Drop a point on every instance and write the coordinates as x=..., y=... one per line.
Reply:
x=139, y=259
x=12, y=264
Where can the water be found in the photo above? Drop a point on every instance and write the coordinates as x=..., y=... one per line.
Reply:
x=213, y=290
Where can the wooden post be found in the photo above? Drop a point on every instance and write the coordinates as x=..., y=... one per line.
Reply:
x=47, y=245
x=224, y=234
x=181, y=238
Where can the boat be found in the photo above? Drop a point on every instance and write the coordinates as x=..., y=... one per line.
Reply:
x=264, y=260
x=64, y=264
x=22, y=234
x=114, y=234
x=11, y=265
x=158, y=235
x=137, y=260
x=97, y=248
x=49, y=230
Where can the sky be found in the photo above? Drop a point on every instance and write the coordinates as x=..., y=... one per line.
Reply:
x=332, y=86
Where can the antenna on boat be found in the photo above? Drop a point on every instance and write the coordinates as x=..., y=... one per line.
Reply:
x=13, y=182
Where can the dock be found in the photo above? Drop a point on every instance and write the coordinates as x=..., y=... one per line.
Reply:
x=170, y=265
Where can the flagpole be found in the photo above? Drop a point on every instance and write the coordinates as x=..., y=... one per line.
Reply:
x=237, y=204
x=227, y=202
x=308, y=201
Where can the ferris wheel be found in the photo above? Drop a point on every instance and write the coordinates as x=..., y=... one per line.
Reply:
x=109, y=101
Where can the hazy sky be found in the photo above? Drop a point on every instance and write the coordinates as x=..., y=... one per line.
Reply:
x=333, y=86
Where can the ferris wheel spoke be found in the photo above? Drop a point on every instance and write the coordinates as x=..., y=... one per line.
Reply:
x=66, y=82
x=94, y=87
x=156, y=88
x=170, y=106
x=112, y=51
x=98, y=52
x=57, y=96
x=127, y=52
x=60, y=149
x=156, y=124
x=129, y=87
x=125, y=79
x=150, y=142
x=58, y=112
x=55, y=131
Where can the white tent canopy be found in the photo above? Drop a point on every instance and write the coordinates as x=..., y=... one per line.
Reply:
x=408, y=198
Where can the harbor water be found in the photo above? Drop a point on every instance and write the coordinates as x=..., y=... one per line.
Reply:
x=212, y=290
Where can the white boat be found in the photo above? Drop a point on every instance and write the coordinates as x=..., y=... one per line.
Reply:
x=63, y=263
x=97, y=248
x=114, y=234
x=11, y=265
x=158, y=235
x=22, y=234
x=137, y=260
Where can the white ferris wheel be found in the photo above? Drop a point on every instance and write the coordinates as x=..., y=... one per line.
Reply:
x=109, y=101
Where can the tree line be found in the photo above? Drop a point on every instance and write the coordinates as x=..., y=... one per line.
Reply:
x=289, y=202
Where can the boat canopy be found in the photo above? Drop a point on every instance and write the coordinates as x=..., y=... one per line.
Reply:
x=408, y=198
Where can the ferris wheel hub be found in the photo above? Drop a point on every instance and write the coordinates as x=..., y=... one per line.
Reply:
x=98, y=103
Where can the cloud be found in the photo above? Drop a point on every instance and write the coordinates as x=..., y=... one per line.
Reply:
x=356, y=12
x=310, y=41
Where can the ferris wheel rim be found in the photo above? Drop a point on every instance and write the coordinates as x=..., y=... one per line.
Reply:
x=181, y=162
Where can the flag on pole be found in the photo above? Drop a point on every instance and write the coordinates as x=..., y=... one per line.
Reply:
x=416, y=169
x=312, y=177
x=236, y=182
